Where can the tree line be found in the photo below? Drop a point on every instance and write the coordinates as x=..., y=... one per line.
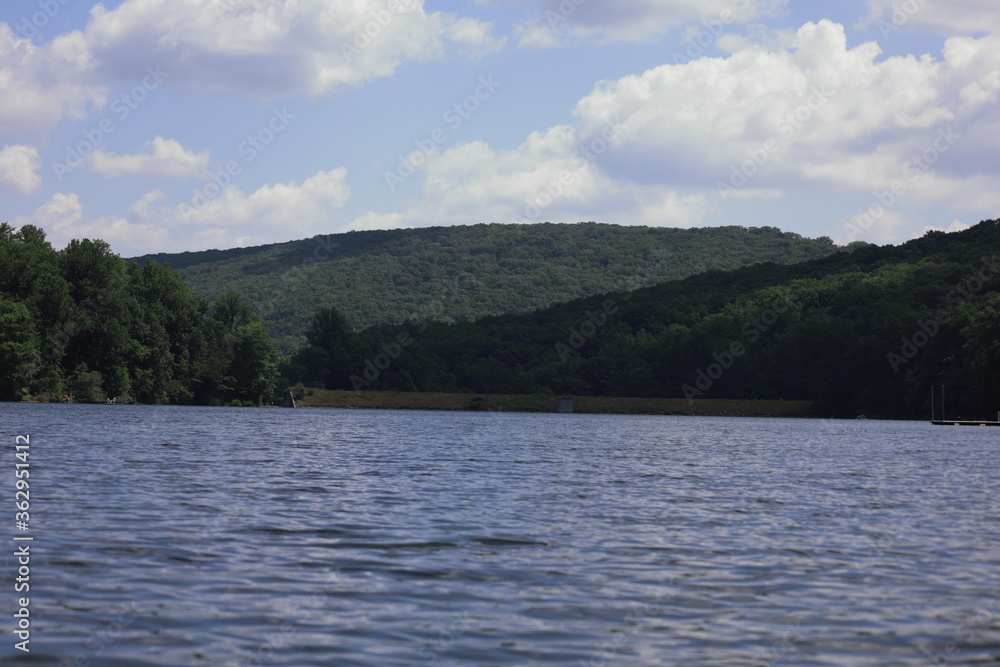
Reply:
x=84, y=323
x=867, y=330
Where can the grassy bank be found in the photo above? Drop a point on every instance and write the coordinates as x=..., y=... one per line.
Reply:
x=320, y=398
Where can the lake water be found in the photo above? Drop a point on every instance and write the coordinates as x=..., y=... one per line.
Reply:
x=190, y=536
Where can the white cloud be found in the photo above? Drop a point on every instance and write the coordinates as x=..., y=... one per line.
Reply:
x=630, y=20
x=19, y=167
x=265, y=48
x=955, y=16
x=59, y=212
x=166, y=158
x=875, y=224
x=40, y=85
x=668, y=209
x=371, y=221
x=284, y=207
x=956, y=226
x=552, y=176
x=757, y=193
x=271, y=214
x=815, y=114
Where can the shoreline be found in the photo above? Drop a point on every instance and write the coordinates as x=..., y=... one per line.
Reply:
x=530, y=403
x=702, y=407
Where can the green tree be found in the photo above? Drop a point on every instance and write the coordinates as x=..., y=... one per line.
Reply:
x=254, y=365
x=238, y=359
x=333, y=353
x=20, y=355
x=85, y=385
x=232, y=312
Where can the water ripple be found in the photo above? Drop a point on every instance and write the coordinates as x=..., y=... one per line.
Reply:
x=190, y=536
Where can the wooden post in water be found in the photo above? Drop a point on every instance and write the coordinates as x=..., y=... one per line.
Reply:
x=932, y=402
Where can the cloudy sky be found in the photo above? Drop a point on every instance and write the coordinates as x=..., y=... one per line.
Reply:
x=170, y=125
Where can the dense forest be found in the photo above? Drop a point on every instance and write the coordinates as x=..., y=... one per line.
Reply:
x=460, y=274
x=867, y=330
x=85, y=323
x=857, y=330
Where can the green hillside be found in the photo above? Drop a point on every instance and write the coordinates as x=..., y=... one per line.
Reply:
x=862, y=332
x=457, y=274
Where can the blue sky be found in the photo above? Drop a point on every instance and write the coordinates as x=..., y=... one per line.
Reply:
x=178, y=125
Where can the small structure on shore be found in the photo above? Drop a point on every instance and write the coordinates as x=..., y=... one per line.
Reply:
x=565, y=405
x=956, y=422
x=289, y=401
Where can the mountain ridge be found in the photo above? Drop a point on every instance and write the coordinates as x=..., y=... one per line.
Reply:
x=865, y=331
x=389, y=276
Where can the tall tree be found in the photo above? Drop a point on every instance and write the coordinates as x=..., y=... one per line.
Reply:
x=334, y=352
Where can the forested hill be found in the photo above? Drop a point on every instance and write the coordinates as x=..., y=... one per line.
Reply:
x=464, y=273
x=862, y=332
